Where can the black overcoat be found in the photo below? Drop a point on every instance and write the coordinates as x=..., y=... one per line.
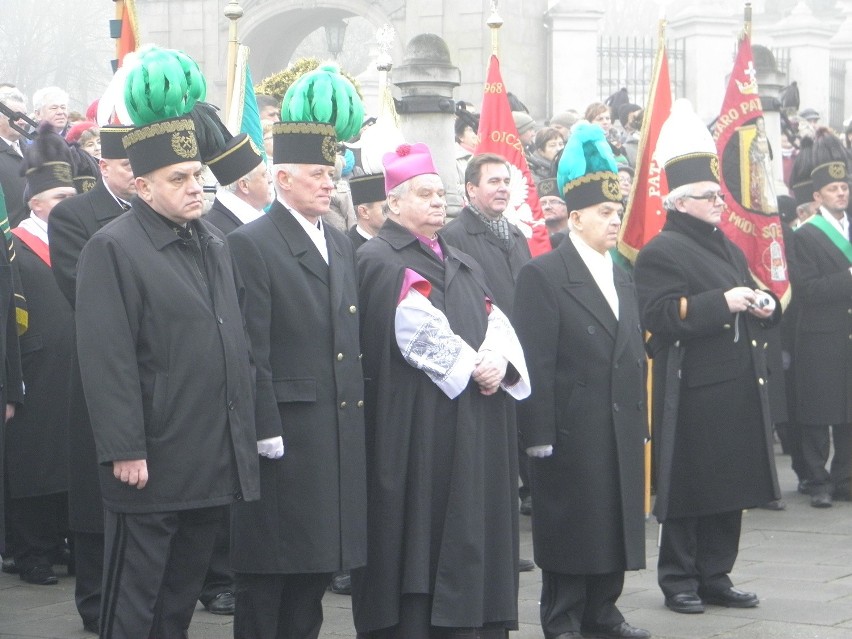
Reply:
x=302, y=317
x=37, y=436
x=355, y=237
x=222, y=217
x=165, y=364
x=13, y=184
x=587, y=373
x=501, y=265
x=11, y=386
x=823, y=348
x=713, y=440
x=442, y=473
x=70, y=225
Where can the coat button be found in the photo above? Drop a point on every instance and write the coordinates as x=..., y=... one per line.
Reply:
x=615, y=365
x=340, y=357
x=231, y=405
x=754, y=343
x=238, y=496
x=727, y=327
x=760, y=381
x=615, y=407
x=353, y=310
x=360, y=356
x=219, y=319
x=360, y=403
x=342, y=404
x=591, y=330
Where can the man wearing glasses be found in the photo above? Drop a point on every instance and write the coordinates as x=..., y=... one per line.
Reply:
x=713, y=437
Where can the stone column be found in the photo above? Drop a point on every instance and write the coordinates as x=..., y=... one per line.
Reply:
x=841, y=48
x=426, y=80
x=710, y=40
x=808, y=40
x=572, y=68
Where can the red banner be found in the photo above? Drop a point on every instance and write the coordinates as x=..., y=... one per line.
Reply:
x=751, y=218
x=497, y=134
x=645, y=216
x=128, y=40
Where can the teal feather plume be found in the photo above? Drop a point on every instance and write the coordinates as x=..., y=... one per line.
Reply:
x=587, y=151
x=324, y=95
x=164, y=84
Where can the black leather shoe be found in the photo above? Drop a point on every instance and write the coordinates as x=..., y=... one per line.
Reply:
x=222, y=604
x=688, y=603
x=775, y=504
x=39, y=575
x=622, y=631
x=525, y=565
x=92, y=626
x=9, y=566
x=341, y=583
x=821, y=500
x=730, y=598
x=526, y=506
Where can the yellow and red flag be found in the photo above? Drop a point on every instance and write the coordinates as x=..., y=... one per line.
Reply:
x=498, y=134
x=645, y=215
x=124, y=29
x=751, y=217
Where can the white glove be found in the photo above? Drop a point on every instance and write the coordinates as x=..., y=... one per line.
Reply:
x=540, y=451
x=273, y=448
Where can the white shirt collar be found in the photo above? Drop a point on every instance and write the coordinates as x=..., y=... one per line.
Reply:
x=363, y=233
x=316, y=233
x=36, y=226
x=600, y=266
x=841, y=225
x=244, y=211
x=122, y=203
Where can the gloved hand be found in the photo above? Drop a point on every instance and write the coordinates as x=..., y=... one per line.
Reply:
x=540, y=451
x=273, y=448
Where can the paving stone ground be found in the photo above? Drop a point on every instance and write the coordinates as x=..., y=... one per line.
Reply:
x=799, y=561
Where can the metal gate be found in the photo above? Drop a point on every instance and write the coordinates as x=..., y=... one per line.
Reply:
x=628, y=62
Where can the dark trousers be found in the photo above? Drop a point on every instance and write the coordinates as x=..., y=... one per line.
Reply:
x=39, y=526
x=415, y=617
x=220, y=577
x=790, y=434
x=575, y=603
x=277, y=606
x=816, y=444
x=89, y=563
x=154, y=567
x=697, y=553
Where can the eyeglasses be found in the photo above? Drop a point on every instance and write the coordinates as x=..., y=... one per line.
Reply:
x=709, y=196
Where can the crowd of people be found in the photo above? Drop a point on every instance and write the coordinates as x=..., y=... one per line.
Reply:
x=317, y=381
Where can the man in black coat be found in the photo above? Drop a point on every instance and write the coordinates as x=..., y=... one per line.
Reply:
x=245, y=189
x=482, y=231
x=713, y=430
x=11, y=157
x=822, y=356
x=169, y=392
x=440, y=359
x=37, y=437
x=301, y=310
x=584, y=423
x=70, y=225
x=368, y=198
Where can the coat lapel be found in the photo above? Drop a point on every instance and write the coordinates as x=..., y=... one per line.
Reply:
x=582, y=286
x=301, y=246
x=628, y=321
x=336, y=267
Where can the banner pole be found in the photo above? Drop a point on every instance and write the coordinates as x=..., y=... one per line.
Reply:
x=233, y=11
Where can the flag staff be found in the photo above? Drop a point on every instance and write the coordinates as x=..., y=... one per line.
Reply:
x=233, y=11
x=747, y=20
x=494, y=22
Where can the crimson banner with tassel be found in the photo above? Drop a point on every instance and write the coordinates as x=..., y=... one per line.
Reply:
x=751, y=217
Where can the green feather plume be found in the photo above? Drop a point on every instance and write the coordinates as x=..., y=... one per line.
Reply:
x=324, y=95
x=165, y=84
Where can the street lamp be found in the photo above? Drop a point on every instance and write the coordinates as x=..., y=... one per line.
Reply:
x=335, y=31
